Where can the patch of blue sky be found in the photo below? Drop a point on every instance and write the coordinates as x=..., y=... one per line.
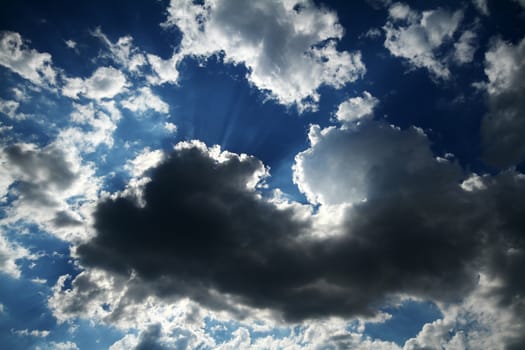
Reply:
x=39, y=116
x=25, y=309
x=49, y=256
x=218, y=106
x=24, y=300
x=87, y=334
x=406, y=321
x=220, y=331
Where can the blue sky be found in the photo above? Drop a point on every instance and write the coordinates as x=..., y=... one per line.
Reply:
x=277, y=174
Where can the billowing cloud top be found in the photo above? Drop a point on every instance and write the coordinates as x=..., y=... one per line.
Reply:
x=288, y=47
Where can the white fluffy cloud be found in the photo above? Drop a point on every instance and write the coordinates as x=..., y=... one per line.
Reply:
x=28, y=63
x=165, y=71
x=356, y=108
x=340, y=165
x=504, y=66
x=417, y=37
x=106, y=82
x=289, y=47
x=100, y=120
x=145, y=100
x=9, y=253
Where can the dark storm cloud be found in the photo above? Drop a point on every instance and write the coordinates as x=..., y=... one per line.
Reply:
x=504, y=126
x=201, y=230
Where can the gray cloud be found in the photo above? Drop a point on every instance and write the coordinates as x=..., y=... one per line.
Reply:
x=503, y=126
x=204, y=234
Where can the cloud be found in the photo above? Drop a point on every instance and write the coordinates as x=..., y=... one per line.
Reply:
x=10, y=108
x=106, y=82
x=48, y=187
x=351, y=157
x=100, y=120
x=478, y=322
x=205, y=233
x=71, y=44
x=356, y=108
x=9, y=254
x=170, y=127
x=144, y=161
x=165, y=71
x=33, y=333
x=521, y=2
x=418, y=37
x=122, y=52
x=28, y=63
x=289, y=47
x=64, y=346
x=145, y=100
x=482, y=6
x=503, y=126
x=417, y=250
x=372, y=33
x=209, y=219
x=465, y=47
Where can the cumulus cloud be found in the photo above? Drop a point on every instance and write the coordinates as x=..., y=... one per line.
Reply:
x=418, y=37
x=356, y=108
x=289, y=47
x=92, y=125
x=28, y=63
x=164, y=70
x=204, y=231
x=503, y=126
x=221, y=223
x=145, y=100
x=106, y=82
x=43, y=183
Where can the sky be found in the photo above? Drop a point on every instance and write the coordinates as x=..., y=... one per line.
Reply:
x=271, y=174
